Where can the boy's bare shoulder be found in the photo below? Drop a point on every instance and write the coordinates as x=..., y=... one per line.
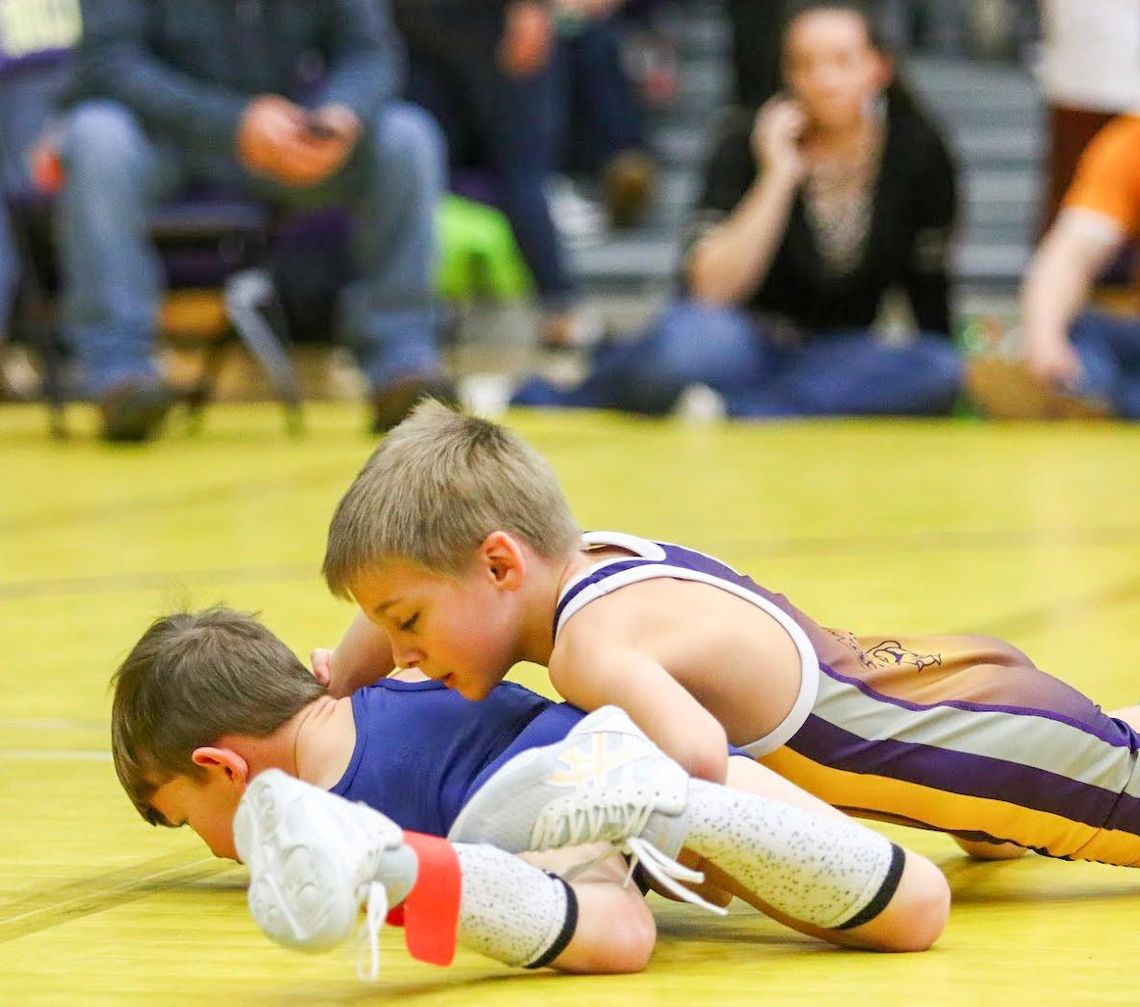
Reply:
x=612, y=625
x=606, y=621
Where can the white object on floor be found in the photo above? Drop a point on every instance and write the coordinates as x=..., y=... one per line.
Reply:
x=580, y=222
x=700, y=404
x=485, y=394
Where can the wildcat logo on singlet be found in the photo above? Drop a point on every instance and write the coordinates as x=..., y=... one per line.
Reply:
x=894, y=654
x=589, y=766
x=32, y=26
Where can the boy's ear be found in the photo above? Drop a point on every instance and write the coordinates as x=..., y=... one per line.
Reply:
x=502, y=559
x=222, y=760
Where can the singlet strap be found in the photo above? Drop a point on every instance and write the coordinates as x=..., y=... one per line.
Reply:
x=653, y=561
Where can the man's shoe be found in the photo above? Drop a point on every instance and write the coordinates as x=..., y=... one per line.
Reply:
x=631, y=186
x=134, y=411
x=1004, y=389
x=314, y=859
x=392, y=404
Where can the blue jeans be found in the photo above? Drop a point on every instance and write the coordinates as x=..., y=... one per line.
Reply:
x=1109, y=350
x=116, y=175
x=836, y=374
x=10, y=270
x=509, y=124
x=600, y=107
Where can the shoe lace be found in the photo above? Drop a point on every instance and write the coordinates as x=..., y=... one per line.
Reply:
x=375, y=898
x=620, y=824
x=368, y=936
x=592, y=820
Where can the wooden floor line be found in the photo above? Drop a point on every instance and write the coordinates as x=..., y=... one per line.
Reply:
x=47, y=909
x=56, y=754
x=72, y=587
x=181, y=496
x=1062, y=610
x=51, y=724
x=66, y=587
x=937, y=540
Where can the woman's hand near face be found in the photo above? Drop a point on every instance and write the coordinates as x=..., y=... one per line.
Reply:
x=776, y=136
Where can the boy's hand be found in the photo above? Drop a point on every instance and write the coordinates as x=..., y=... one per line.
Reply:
x=321, y=661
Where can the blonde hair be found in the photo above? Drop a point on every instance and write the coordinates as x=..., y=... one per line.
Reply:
x=435, y=488
x=194, y=677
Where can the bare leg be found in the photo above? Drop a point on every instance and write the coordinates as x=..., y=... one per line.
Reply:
x=616, y=931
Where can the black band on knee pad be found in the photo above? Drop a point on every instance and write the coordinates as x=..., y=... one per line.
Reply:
x=885, y=893
x=566, y=934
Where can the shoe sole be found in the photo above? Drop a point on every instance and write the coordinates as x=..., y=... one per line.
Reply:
x=137, y=418
x=293, y=884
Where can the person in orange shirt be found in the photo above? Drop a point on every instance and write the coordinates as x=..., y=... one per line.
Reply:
x=1077, y=361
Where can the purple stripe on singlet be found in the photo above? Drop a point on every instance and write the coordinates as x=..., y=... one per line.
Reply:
x=602, y=573
x=969, y=775
x=1110, y=731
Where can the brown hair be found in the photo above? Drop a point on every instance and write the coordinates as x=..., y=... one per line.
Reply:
x=437, y=485
x=900, y=97
x=194, y=677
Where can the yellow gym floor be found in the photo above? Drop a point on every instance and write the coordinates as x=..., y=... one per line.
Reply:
x=1030, y=533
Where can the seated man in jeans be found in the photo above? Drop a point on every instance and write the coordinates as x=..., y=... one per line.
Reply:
x=289, y=103
x=1077, y=362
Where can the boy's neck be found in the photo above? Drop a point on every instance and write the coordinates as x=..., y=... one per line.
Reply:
x=325, y=740
x=315, y=745
x=545, y=588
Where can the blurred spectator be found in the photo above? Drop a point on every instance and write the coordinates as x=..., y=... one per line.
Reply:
x=1090, y=72
x=485, y=70
x=812, y=210
x=289, y=103
x=651, y=55
x=34, y=34
x=1077, y=362
x=603, y=133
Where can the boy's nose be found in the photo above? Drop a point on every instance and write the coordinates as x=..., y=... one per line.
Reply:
x=408, y=658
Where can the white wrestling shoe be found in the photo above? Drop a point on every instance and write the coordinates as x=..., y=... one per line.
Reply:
x=314, y=859
x=605, y=781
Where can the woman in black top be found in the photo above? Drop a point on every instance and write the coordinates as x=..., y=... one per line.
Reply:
x=834, y=193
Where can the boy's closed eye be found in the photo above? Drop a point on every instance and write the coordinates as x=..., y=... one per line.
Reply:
x=408, y=624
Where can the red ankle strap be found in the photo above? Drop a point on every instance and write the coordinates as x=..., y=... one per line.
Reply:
x=430, y=913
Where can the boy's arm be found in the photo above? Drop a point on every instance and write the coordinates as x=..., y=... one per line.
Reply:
x=363, y=656
x=591, y=677
x=1060, y=276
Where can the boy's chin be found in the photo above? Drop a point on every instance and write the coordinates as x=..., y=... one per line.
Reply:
x=474, y=691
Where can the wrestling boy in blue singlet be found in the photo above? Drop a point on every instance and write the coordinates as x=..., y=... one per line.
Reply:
x=216, y=723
